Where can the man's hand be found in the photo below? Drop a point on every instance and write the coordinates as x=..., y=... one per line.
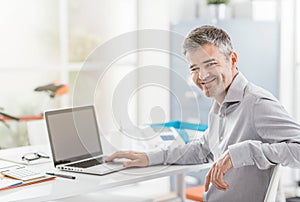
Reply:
x=138, y=159
x=217, y=171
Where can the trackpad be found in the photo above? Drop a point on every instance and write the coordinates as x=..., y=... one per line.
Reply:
x=110, y=166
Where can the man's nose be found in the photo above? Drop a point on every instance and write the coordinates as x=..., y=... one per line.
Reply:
x=202, y=74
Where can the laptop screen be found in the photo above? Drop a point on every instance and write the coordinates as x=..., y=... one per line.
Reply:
x=73, y=134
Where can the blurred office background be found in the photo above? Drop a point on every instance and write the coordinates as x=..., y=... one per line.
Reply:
x=44, y=41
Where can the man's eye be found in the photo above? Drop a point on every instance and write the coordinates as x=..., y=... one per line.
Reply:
x=196, y=69
x=211, y=64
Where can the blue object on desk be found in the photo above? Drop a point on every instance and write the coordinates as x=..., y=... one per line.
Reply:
x=183, y=134
x=180, y=127
x=167, y=137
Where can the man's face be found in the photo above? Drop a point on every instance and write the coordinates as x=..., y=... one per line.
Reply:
x=211, y=71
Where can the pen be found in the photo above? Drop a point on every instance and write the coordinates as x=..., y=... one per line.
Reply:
x=62, y=175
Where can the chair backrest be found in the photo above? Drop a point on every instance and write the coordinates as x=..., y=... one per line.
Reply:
x=273, y=186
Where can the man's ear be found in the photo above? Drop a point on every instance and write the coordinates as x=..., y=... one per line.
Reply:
x=234, y=59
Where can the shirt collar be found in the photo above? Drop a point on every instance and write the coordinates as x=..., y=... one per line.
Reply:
x=235, y=92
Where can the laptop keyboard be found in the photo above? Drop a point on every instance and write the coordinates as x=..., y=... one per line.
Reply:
x=89, y=163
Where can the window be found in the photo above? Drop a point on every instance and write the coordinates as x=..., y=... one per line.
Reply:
x=47, y=41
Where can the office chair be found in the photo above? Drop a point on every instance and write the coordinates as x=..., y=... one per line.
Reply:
x=274, y=184
x=196, y=193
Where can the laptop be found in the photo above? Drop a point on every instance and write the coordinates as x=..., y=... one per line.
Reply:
x=75, y=141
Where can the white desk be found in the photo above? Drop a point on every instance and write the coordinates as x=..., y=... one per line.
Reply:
x=61, y=187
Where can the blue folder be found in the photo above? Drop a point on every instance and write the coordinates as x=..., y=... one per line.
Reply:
x=180, y=127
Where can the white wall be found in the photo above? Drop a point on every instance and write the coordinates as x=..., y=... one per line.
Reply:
x=153, y=14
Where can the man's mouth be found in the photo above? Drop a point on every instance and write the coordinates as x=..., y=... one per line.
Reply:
x=207, y=81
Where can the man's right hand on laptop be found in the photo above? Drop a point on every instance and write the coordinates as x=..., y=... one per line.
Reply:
x=138, y=159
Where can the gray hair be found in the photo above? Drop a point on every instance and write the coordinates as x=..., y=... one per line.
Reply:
x=208, y=34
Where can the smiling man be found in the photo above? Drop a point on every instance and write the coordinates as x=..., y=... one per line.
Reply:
x=249, y=132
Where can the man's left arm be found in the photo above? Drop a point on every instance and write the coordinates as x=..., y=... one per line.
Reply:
x=279, y=144
x=280, y=139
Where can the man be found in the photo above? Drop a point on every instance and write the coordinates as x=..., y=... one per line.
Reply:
x=249, y=131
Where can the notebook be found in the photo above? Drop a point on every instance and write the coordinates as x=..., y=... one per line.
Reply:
x=75, y=141
x=15, y=175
